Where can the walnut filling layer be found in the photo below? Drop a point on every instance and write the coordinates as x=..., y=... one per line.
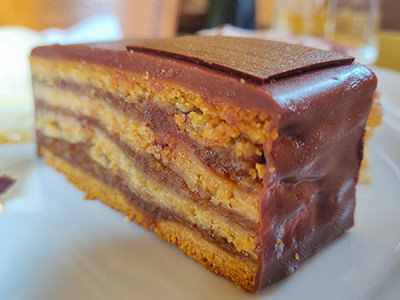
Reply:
x=172, y=151
x=81, y=156
x=173, y=193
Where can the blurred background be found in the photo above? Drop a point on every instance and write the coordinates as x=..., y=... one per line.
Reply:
x=366, y=29
x=353, y=23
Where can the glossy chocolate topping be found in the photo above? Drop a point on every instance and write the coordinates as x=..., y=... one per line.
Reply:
x=319, y=113
x=259, y=60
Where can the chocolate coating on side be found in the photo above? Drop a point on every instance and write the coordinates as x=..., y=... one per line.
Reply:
x=5, y=183
x=259, y=60
x=310, y=197
x=312, y=167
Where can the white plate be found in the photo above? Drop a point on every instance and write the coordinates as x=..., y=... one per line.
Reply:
x=54, y=245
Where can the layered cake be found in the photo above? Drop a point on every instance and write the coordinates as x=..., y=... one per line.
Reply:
x=244, y=153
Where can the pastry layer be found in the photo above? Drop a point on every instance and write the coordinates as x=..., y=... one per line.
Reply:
x=252, y=125
x=192, y=242
x=174, y=152
x=146, y=175
x=235, y=136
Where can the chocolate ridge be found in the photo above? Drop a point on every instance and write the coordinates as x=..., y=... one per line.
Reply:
x=253, y=59
x=143, y=163
x=76, y=154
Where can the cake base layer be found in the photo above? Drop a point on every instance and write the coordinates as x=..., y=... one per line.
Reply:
x=241, y=271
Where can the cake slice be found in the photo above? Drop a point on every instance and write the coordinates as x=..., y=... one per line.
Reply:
x=244, y=153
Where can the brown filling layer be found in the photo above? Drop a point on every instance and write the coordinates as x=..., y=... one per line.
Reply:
x=218, y=159
x=78, y=155
x=154, y=168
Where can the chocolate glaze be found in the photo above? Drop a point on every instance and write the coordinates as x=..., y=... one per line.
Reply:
x=258, y=60
x=310, y=198
x=5, y=183
x=320, y=116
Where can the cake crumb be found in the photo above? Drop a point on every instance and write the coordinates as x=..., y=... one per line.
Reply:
x=271, y=169
x=274, y=134
x=296, y=256
x=279, y=242
x=242, y=80
x=260, y=170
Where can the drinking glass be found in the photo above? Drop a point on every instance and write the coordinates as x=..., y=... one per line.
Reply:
x=301, y=16
x=355, y=24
